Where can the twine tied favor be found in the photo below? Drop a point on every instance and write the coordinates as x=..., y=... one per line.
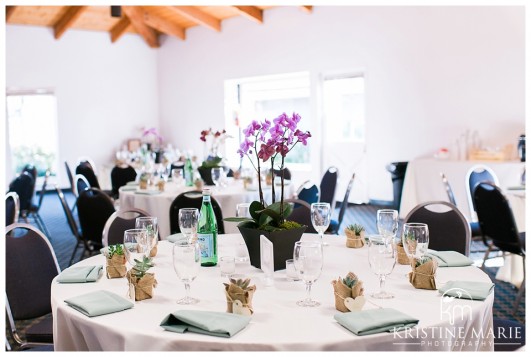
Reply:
x=342, y=291
x=234, y=292
x=401, y=256
x=143, y=286
x=353, y=240
x=423, y=276
x=116, y=266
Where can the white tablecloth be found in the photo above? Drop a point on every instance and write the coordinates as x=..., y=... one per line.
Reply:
x=158, y=205
x=278, y=323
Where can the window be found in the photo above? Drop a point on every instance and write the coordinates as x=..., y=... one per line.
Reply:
x=32, y=130
x=258, y=98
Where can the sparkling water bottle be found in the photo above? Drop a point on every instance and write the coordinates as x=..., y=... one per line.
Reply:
x=207, y=232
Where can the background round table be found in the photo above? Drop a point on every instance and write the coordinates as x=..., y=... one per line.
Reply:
x=278, y=323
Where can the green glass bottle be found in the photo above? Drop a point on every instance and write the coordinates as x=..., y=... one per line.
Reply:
x=207, y=232
x=189, y=172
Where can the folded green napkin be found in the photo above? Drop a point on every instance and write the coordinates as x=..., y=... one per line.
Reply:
x=220, y=324
x=369, y=322
x=450, y=258
x=86, y=274
x=147, y=192
x=99, y=302
x=175, y=237
x=129, y=188
x=471, y=290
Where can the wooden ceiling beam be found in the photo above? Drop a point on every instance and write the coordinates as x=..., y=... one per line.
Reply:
x=9, y=12
x=67, y=20
x=306, y=8
x=120, y=28
x=198, y=17
x=136, y=16
x=251, y=12
x=163, y=25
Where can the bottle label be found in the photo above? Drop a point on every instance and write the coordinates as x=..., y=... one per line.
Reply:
x=206, y=243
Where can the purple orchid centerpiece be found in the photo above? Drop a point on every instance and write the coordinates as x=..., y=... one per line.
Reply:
x=264, y=142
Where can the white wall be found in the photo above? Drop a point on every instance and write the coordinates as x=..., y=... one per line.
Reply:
x=105, y=92
x=432, y=72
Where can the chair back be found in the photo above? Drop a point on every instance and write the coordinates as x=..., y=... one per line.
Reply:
x=12, y=208
x=344, y=204
x=287, y=173
x=308, y=193
x=30, y=266
x=68, y=213
x=496, y=218
x=328, y=186
x=193, y=199
x=120, y=176
x=448, y=228
x=70, y=178
x=81, y=184
x=23, y=185
x=302, y=214
x=85, y=169
x=448, y=189
x=118, y=223
x=88, y=161
x=474, y=176
x=94, y=208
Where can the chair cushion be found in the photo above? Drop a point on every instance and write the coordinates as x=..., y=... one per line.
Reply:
x=41, y=331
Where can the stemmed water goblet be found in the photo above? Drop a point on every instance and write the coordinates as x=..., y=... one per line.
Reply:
x=415, y=238
x=308, y=260
x=320, y=213
x=382, y=261
x=387, y=223
x=186, y=262
x=217, y=173
x=133, y=250
x=152, y=232
x=188, y=219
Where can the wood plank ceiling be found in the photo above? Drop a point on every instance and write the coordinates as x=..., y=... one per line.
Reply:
x=147, y=21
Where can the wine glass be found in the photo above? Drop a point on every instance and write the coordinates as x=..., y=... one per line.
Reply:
x=164, y=172
x=320, y=213
x=415, y=238
x=387, y=222
x=382, y=261
x=152, y=229
x=133, y=251
x=216, y=172
x=186, y=262
x=177, y=176
x=308, y=258
x=188, y=219
x=242, y=210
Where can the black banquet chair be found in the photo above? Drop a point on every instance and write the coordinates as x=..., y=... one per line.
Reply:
x=449, y=229
x=12, y=208
x=94, y=207
x=71, y=223
x=118, y=223
x=334, y=226
x=328, y=186
x=23, y=186
x=35, y=208
x=28, y=286
x=193, y=199
x=85, y=168
x=498, y=226
x=120, y=176
x=302, y=214
x=308, y=192
x=285, y=170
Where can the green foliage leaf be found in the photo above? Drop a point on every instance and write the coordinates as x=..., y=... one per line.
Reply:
x=253, y=208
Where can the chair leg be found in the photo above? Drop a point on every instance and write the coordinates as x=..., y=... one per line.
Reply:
x=41, y=225
x=486, y=256
x=520, y=293
x=73, y=254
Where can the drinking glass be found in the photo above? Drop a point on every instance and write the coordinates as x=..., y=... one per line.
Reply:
x=163, y=172
x=133, y=250
x=308, y=258
x=186, y=262
x=188, y=219
x=177, y=176
x=415, y=238
x=242, y=210
x=152, y=232
x=320, y=213
x=387, y=222
x=216, y=175
x=382, y=261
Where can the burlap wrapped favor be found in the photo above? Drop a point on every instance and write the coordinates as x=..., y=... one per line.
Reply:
x=234, y=292
x=401, y=256
x=342, y=291
x=116, y=266
x=422, y=275
x=143, y=286
x=161, y=184
x=353, y=240
x=143, y=184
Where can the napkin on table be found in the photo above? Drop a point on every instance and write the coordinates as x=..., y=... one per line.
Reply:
x=83, y=274
x=467, y=289
x=100, y=302
x=175, y=237
x=147, y=192
x=373, y=321
x=220, y=324
x=450, y=258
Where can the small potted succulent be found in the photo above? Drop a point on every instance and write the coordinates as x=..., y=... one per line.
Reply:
x=144, y=180
x=115, y=261
x=240, y=296
x=355, y=235
x=350, y=287
x=142, y=281
x=422, y=274
x=198, y=184
x=401, y=256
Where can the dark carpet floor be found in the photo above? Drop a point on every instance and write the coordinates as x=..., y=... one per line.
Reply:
x=63, y=243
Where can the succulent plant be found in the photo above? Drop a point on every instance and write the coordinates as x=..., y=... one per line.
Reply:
x=141, y=267
x=145, y=177
x=422, y=260
x=350, y=280
x=117, y=249
x=356, y=228
x=242, y=283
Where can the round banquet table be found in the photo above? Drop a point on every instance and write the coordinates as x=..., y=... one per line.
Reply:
x=278, y=323
x=158, y=203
